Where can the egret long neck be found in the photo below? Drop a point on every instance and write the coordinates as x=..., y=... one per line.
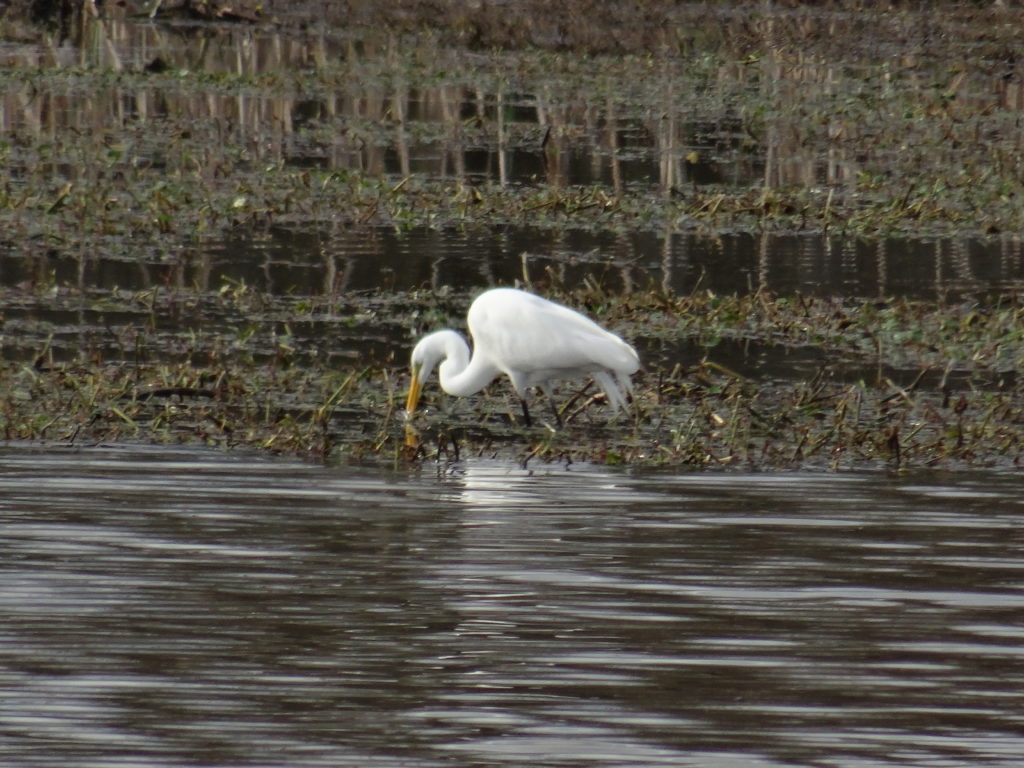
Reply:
x=461, y=376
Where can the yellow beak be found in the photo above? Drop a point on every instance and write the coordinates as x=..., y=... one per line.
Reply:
x=414, y=393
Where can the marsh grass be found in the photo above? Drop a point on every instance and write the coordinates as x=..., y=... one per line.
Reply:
x=905, y=384
x=863, y=122
x=858, y=120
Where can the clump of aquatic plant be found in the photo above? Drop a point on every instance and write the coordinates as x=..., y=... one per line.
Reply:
x=899, y=383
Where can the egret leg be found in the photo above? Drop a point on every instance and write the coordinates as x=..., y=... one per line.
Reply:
x=554, y=411
x=551, y=400
x=526, y=412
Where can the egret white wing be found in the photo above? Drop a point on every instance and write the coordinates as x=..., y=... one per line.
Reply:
x=524, y=333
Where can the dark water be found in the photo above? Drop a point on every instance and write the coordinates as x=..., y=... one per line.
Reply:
x=163, y=607
x=312, y=262
x=100, y=306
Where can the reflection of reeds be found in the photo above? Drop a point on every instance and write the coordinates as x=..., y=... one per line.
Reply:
x=241, y=84
x=356, y=107
x=742, y=123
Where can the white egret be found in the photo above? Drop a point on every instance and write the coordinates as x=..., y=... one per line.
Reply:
x=531, y=340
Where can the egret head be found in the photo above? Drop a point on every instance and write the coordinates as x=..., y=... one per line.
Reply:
x=425, y=356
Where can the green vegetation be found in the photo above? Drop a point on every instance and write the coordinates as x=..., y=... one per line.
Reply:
x=142, y=140
x=900, y=384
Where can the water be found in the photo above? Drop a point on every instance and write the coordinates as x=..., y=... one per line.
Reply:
x=311, y=262
x=172, y=607
x=76, y=307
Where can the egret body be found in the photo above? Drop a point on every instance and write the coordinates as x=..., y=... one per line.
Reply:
x=531, y=340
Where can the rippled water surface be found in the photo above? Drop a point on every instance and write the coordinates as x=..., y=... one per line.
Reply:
x=163, y=607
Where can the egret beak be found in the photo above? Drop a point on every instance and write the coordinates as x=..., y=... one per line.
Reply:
x=414, y=393
x=412, y=437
